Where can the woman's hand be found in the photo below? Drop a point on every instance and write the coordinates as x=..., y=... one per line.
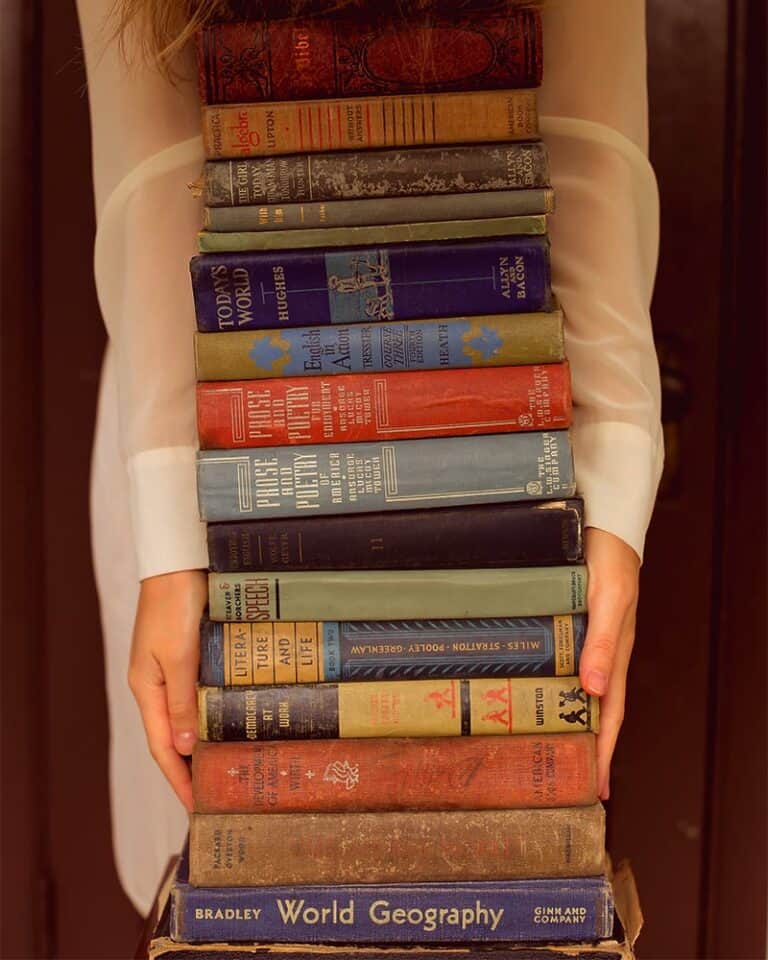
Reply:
x=613, y=569
x=163, y=671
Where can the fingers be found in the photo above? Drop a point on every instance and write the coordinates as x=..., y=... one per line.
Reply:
x=612, y=708
x=608, y=607
x=181, y=693
x=151, y=698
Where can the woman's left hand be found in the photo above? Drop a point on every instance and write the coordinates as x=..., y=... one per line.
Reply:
x=613, y=568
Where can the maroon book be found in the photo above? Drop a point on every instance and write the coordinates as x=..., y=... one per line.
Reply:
x=257, y=60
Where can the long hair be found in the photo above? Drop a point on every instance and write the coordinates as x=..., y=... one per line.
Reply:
x=162, y=28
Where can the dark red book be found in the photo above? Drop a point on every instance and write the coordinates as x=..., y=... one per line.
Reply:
x=257, y=60
x=433, y=773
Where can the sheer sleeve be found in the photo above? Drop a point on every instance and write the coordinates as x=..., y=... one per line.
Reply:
x=146, y=149
x=604, y=251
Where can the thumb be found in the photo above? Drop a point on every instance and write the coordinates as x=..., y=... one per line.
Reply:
x=181, y=693
x=607, y=610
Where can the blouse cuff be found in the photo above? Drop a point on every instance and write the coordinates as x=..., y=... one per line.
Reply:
x=618, y=467
x=167, y=529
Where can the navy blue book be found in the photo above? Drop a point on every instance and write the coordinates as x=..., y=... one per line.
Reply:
x=521, y=910
x=300, y=288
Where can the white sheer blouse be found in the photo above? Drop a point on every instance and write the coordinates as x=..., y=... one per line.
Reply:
x=593, y=105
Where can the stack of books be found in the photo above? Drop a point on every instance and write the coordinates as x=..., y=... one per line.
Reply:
x=394, y=745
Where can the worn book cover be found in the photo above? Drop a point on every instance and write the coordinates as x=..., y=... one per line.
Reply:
x=397, y=708
x=295, y=59
x=432, y=773
x=264, y=652
x=388, y=347
x=263, y=850
x=293, y=411
x=311, y=126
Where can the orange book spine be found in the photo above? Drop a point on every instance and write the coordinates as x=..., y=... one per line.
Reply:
x=387, y=406
x=336, y=776
x=315, y=126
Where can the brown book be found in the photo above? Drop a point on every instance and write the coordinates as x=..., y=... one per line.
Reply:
x=257, y=850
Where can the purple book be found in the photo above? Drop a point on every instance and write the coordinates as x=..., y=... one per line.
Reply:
x=301, y=288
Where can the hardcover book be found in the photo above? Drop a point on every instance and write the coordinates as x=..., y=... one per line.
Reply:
x=257, y=59
x=267, y=482
x=334, y=776
x=264, y=850
x=350, y=236
x=311, y=126
x=397, y=708
x=228, y=917
x=535, y=534
x=418, y=171
x=446, y=344
x=357, y=407
x=299, y=288
x=397, y=594
x=375, y=210
x=243, y=654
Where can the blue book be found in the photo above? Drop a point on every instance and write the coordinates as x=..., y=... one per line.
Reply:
x=303, y=288
x=516, y=910
x=397, y=475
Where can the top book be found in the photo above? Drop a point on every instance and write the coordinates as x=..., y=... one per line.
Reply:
x=303, y=59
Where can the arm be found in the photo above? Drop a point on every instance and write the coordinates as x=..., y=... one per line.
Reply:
x=604, y=250
x=145, y=151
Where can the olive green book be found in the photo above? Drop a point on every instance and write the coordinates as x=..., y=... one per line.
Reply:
x=483, y=341
x=398, y=594
x=319, y=237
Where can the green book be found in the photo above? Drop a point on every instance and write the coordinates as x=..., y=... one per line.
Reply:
x=320, y=237
x=398, y=594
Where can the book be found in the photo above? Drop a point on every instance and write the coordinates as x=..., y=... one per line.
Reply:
x=297, y=59
x=265, y=482
x=262, y=850
x=397, y=594
x=376, y=210
x=334, y=776
x=537, y=533
x=397, y=708
x=207, y=912
x=448, y=343
x=299, y=288
x=309, y=126
x=358, y=407
x=348, y=236
x=349, y=175
x=235, y=654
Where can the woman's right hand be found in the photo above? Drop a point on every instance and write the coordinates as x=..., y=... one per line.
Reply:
x=165, y=656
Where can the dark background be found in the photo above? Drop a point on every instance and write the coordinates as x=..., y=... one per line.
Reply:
x=689, y=785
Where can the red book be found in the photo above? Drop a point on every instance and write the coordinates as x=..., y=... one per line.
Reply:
x=257, y=60
x=451, y=773
x=356, y=407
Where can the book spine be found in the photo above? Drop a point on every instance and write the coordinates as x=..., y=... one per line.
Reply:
x=322, y=479
x=445, y=846
x=397, y=708
x=244, y=654
x=296, y=288
x=258, y=60
x=461, y=913
x=348, y=213
x=481, y=341
x=310, y=126
x=358, y=407
x=496, y=535
x=397, y=594
x=389, y=233
x=418, y=171
x=336, y=776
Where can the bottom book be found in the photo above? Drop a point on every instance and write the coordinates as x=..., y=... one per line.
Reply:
x=617, y=944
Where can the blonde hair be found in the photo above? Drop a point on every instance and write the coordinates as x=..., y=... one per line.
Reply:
x=162, y=28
